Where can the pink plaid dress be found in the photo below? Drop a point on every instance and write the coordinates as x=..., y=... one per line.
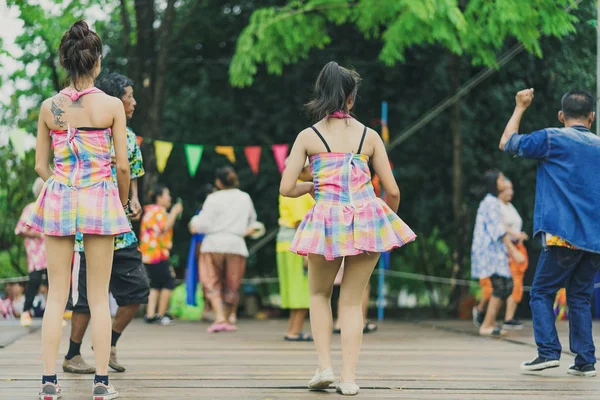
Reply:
x=348, y=218
x=80, y=196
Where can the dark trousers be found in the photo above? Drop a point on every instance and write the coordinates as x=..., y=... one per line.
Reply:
x=574, y=270
x=33, y=286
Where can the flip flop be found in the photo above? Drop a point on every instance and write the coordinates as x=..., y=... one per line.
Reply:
x=337, y=331
x=369, y=327
x=301, y=338
x=497, y=332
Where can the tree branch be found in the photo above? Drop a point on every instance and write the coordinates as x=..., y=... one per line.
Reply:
x=126, y=28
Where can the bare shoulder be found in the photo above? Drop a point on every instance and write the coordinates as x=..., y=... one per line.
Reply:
x=305, y=134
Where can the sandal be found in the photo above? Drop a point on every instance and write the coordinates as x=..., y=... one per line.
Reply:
x=302, y=337
x=497, y=332
x=369, y=327
x=337, y=331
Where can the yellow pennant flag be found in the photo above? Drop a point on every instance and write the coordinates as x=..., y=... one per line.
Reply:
x=226, y=151
x=163, y=151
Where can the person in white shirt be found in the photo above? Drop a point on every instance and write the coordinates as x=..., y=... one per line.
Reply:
x=225, y=219
x=514, y=227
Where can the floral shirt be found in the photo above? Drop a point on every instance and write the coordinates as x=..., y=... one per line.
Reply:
x=34, y=247
x=488, y=251
x=552, y=240
x=136, y=167
x=155, y=242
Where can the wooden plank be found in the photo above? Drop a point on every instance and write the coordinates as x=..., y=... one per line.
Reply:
x=429, y=360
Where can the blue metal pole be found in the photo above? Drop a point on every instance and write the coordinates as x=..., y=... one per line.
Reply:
x=381, y=264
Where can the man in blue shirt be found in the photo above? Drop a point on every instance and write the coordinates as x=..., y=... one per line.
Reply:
x=566, y=220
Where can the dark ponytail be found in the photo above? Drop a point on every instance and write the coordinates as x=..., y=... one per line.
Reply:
x=227, y=176
x=491, y=181
x=334, y=86
x=157, y=190
x=79, y=50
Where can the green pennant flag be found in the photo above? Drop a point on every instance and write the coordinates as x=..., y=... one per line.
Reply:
x=193, y=154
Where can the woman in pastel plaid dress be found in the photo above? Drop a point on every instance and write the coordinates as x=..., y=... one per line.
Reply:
x=348, y=222
x=80, y=124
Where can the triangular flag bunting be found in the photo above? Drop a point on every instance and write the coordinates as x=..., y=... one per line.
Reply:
x=226, y=151
x=163, y=151
x=193, y=152
x=139, y=140
x=280, y=152
x=253, y=157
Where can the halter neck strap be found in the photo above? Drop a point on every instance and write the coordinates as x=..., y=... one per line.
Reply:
x=75, y=95
x=339, y=114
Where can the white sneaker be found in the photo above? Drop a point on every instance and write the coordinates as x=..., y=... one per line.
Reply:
x=347, y=388
x=322, y=379
x=103, y=392
x=166, y=320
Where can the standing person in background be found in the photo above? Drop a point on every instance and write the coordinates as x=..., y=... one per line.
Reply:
x=128, y=281
x=36, y=254
x=567, y=211
x=156, y=235
x=225, y=220
x=489, y=258
x=291, y=268
x=514, y=227
x=348, y=222
x=79, y=125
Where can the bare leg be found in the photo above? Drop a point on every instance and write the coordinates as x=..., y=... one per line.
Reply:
x=163, y=301
x=124, y=316
x=296, y=324
x=152, y=302
x=357, y=271
x=482, y=304
x=79, y=324
x=321, y=274
x=511, y=309
x=99, y=257
x=489, y=323
x=59, y=253
x=365, y=303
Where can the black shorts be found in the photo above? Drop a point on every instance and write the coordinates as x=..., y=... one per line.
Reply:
x=502, y=286
x=128, y=280
x=160, y=275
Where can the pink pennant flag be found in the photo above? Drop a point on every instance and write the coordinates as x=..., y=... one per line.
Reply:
x=280, y=152
x=253, y=156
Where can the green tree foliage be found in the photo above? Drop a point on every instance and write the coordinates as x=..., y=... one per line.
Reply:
x=39, y=74
x=277, y=36
x=16, y=179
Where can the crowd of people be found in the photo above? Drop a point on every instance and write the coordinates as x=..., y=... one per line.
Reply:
x=333, y=226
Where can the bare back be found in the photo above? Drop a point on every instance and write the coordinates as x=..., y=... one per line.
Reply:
x=342, y=136
x=94, y=110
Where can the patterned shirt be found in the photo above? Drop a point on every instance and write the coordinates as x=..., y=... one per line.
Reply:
x=552, y=240
x=34, y=247
x=155, y=242
x=488, y=252
x=136, y=167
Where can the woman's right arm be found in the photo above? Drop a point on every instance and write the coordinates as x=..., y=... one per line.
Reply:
x=381, y=165
x=43, y=144
x=119, y=130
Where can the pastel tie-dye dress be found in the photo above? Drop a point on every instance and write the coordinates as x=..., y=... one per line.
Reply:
x=81, y=195
x=348, y=218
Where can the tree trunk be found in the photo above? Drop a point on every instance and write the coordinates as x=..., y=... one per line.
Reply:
x=457, y=182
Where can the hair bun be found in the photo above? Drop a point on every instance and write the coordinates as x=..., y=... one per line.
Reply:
x=79, y=30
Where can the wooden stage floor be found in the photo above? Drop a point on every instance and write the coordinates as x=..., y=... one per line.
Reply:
x=438, y=360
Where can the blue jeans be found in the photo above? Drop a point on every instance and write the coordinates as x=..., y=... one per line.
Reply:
x=574, y=270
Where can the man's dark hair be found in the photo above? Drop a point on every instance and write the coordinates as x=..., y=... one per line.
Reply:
x=577, y=104
x=113, y=84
